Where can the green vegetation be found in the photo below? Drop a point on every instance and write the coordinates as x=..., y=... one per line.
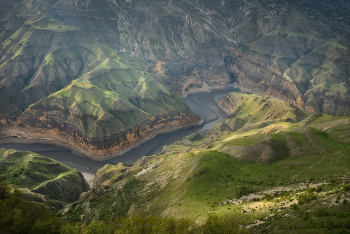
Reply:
x=275, y=178
x=199, y=183
x=116, y=95
x=20, y=216
x=150, y=224
x=244, y=141
x=314, y=214
x=41, y=179
x=203, y=175
x=40, y=21
x=27, y=169
x=253, y=111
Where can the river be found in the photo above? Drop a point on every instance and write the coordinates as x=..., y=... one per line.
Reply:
x=203, y=104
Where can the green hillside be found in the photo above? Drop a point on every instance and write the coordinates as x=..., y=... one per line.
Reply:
x=110, y=98
x=41, y=179
x=255, y=111
x=258, y=175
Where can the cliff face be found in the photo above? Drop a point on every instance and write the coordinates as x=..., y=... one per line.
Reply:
x=43, y=125
x=277, y=49
x=256, y=78
x=201, y=72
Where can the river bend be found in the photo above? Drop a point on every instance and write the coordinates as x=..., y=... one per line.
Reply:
x=203, y=104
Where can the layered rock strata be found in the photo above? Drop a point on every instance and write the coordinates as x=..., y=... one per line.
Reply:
x=44, y=128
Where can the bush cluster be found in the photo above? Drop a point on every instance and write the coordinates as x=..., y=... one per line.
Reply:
x=306, y=198
x=20, y=216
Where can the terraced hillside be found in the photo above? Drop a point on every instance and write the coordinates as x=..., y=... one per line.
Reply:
x=41, y=179
x=258, y=174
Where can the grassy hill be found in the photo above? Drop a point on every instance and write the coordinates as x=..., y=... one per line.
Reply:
x=41, y=179
x=260, y=175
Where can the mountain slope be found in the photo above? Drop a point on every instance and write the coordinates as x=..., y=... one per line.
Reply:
x=57, y=57
x=252, y=111
x=41, y=179
x=59, y=83
x=222, y=171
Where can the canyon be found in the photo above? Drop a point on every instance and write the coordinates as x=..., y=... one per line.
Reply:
x=99, y=75
x=138, y=92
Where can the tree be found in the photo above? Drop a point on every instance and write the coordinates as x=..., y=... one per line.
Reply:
x=223, y=225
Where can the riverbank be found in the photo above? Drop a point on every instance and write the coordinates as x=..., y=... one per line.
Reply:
x=31, y=138
x=88, y=167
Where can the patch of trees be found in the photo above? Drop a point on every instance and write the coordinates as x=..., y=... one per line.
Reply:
x=20, y=216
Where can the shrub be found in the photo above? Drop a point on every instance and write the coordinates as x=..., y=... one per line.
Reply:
x=20, y=216
x=306, y=198
x=306, y=216
x=243, y=190
x=227, y=224
x=341, y=214
x=346, y=187
x=93, y=227
x=328, y=224
x=321, y=213
x=346, y=224
x=311, y=190
x=294, y=206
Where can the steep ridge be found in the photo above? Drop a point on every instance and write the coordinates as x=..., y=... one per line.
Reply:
x=41, y=179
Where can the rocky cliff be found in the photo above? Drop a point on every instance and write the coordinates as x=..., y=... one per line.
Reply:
x=40, y=125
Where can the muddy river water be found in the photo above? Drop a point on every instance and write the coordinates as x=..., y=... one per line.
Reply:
x=203, y=104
